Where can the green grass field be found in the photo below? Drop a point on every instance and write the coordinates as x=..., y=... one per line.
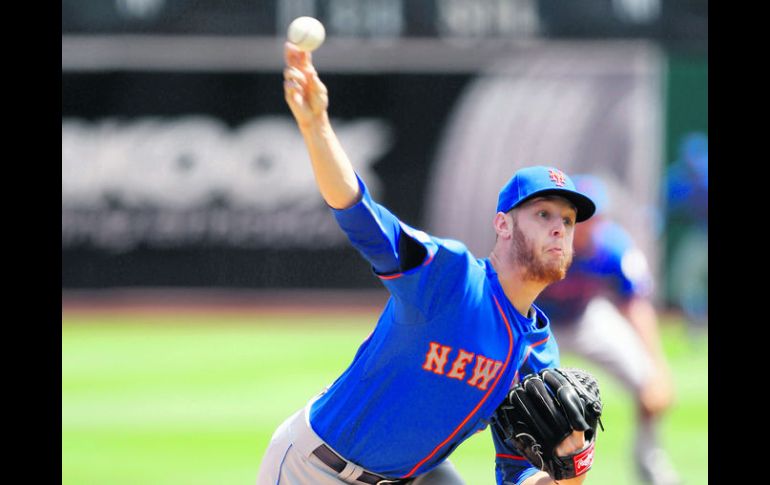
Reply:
x=195, y=399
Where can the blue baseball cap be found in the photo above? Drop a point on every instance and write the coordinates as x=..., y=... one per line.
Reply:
x=539, y=181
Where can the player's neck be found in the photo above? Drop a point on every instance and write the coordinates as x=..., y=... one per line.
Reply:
x=519, y=290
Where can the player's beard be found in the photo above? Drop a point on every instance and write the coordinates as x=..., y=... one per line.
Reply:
x=536, y=269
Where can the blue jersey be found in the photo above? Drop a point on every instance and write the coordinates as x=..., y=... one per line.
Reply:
x=687, y=192
x=613, y=267
x=687, y=182
x=446, y=349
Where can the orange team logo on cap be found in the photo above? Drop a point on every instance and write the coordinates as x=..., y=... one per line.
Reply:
x=558, y=177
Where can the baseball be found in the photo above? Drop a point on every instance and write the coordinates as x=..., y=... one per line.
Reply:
x=307, y=33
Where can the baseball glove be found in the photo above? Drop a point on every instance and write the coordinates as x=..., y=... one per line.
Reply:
x=543, y=409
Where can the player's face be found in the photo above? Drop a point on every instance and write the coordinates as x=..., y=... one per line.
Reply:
x=543, y=230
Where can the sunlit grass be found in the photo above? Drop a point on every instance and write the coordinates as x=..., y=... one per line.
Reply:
x=195, y=399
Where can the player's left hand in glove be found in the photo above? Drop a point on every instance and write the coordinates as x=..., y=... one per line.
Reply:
x=544, y=409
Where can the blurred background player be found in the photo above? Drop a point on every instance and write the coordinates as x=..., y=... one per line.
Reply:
x=603, y=311
x=687, y=210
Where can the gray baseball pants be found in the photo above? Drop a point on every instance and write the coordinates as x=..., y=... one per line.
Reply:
x=604, y=336
x=289, y=460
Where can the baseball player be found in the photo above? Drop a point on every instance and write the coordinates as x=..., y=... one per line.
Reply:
x=603, y=312
x=456, y=334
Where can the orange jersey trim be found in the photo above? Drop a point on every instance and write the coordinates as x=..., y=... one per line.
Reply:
x=511, y=457
x=516, y=376
x=529, y=351
x=478, y=406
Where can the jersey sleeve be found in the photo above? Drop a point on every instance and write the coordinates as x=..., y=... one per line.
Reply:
x=380, y=236
x=510, y=466
x=424, y=274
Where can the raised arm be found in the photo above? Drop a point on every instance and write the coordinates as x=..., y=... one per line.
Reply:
x=308, y=100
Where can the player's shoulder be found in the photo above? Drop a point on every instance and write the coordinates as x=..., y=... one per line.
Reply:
x=452, y=246
x=449, y=247
x=454, y=252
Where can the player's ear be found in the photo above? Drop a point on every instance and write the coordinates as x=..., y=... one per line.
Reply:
x=503, y=224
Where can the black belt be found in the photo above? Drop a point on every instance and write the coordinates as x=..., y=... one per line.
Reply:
x=330, y=459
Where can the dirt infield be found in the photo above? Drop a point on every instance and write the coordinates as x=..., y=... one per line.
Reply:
x=219, y=301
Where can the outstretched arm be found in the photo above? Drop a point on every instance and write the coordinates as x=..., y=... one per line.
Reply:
x=375, y=232
x=308, y=100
